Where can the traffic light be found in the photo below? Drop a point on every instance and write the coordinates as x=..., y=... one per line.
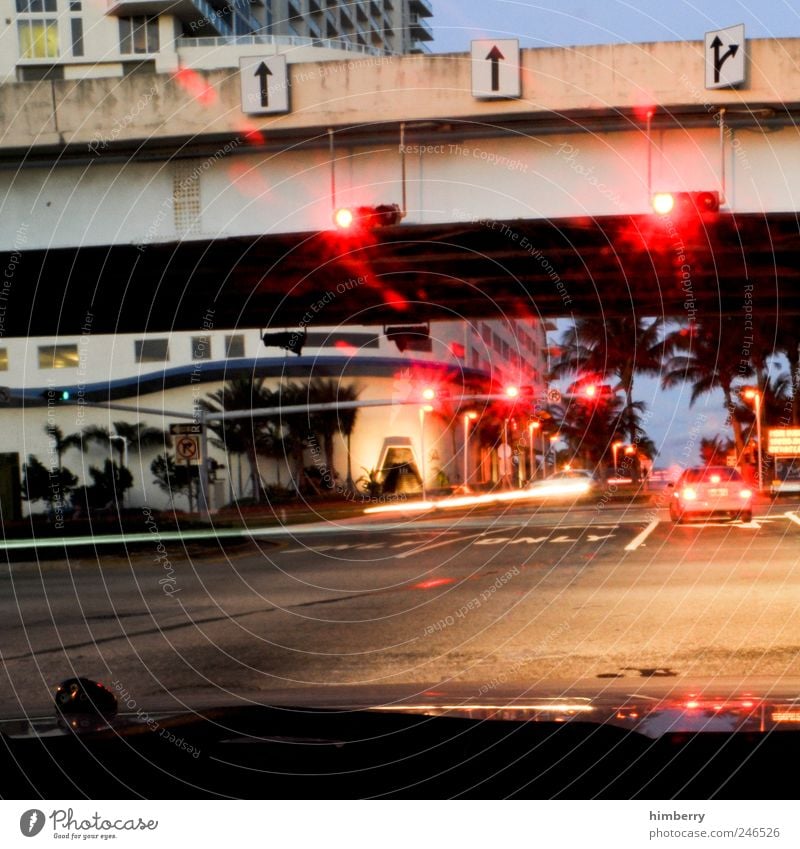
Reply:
x=518, y=391
x=289, y=340
x=367, y=217
x=411, y=338
x=54, y=395
x=681, y=203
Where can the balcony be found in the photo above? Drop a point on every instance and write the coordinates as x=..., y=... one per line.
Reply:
x=419, y=29
x=200, y=16
x=422, y=8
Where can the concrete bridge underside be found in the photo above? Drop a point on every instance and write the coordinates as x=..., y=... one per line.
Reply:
x=611, y=265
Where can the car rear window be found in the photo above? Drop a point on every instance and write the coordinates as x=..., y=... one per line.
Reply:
x=711, y=475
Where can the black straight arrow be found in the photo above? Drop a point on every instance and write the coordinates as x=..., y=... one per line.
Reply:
x=495, y=56
x=719, y=61
x=262, y=72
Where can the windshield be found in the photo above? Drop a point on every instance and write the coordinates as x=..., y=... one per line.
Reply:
x=375, y=367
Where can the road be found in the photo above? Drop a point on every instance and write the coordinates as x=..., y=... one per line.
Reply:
x=481, y=599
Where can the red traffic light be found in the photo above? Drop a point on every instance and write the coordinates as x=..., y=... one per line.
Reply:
x=367, y=217
x=666, y=203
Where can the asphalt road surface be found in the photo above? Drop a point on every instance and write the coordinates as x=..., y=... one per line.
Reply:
x=482, y=599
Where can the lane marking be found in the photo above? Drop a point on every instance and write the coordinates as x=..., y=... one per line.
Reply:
x=416, y=551
x=792, y=517
x=638, y=540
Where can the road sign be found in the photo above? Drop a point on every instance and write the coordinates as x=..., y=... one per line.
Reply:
x=190, y=429
x=264, y=83
x=188, y=448
x=495, y=68
x=553, y=396
x=725, y=57
x=783, y=441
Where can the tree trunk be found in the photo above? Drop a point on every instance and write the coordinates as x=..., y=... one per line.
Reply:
x=327, y=439
x=736, y=425
x=255, y=478
x=350, y=485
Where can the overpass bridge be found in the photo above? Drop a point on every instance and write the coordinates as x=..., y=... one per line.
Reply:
x=151, y=201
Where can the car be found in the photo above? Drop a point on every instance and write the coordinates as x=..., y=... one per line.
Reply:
x=786, y=480
x=570, y=482
x=711, y=490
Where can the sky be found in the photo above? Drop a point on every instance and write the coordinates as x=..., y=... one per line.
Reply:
x=673, y=423
x=570, y=22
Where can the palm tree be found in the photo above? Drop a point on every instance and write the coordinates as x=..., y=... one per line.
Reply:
x=139, y=437
x=252, y=436
x=61, y=443
x=618, y=348
x=709, y=357
x=326, y=423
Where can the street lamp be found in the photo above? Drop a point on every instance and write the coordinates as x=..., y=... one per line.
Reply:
x=754, y=395
x=553, y=439
x=532, y=427
x=615, y=446
x=468, y=417
x=425, y=408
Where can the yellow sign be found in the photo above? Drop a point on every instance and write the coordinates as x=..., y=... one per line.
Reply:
x=783, y=441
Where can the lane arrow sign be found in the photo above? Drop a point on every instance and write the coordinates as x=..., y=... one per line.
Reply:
x=719, y=61
x=263, y=72
x=494, y=56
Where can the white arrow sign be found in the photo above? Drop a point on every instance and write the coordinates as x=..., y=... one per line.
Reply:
x=725, y=57
x=265, y=85
x=495, y=68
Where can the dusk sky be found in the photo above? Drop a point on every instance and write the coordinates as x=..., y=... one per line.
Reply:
x=579, y=22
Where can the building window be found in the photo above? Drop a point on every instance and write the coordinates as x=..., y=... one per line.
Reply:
x=58, y=356
x=151, y=350
x=3, y=359
x=38, y=38
x=32, y=7
x=342, y=340
x=234, y=346
x=75, y=5
x=201, y=347
x=76, y=27
x=138, y=35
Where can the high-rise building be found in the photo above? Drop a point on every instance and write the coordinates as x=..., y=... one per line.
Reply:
x=77, y=39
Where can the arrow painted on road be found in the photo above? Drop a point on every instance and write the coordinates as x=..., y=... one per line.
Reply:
x=262, y=72
x=494, y=56
x=719, y=61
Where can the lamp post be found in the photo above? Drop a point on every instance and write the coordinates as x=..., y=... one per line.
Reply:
x=428, y=395
x=468, y=417
x=533, y=426
x=754, y=395
x=615, y=446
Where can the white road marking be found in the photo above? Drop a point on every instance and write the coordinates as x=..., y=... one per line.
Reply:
x=640, y=538
x=416, y=551
x=792, y=517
